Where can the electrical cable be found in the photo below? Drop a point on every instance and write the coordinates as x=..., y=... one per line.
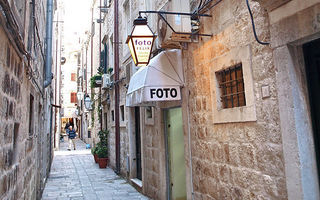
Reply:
x=253, y=26
x=200, y=4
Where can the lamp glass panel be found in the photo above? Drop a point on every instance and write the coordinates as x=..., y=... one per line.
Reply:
x=132, y=51
x=87, y=102
x=142, y=30
x=142, y=46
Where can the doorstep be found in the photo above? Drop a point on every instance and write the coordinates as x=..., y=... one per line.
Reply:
x=137, y=184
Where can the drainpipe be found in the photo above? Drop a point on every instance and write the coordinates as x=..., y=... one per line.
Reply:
x=100, y=109
x=116, y=73
x=48, y=76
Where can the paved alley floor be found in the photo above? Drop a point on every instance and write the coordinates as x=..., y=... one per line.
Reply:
x=75, y=176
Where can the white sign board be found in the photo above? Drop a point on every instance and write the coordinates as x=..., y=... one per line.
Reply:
x=165, y=93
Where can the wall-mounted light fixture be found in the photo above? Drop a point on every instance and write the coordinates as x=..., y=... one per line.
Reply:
x=140, y=41
x=80, y=96
x=87, y=102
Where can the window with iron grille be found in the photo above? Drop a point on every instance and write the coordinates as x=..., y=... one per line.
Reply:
x=73, y=97
x=231, y=87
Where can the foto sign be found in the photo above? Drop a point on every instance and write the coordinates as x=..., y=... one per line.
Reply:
x=140, y=42
x=170, y=93
x=142, y=48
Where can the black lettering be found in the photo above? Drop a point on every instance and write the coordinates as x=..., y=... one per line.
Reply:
x=166, y=91
x=152, y=92
x=173, y=92
x=159, y=93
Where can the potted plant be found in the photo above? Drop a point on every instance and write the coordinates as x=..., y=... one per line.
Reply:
x=102, y=153
x=102, y=149
x=94, y=153
x=95, y=81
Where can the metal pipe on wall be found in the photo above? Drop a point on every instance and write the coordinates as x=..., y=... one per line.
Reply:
x=48, y=63
x=100, y=109
x=116, y=73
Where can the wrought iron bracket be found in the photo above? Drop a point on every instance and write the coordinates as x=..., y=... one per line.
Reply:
x=161, y=13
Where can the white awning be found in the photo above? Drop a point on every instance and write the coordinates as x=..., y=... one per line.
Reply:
x=159, y=81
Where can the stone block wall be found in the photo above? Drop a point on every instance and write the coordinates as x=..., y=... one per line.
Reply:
x=24, y=128
x=234, y=160
x=151, y=147
x=17, y=145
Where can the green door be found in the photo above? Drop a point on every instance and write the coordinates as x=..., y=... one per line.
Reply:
x=176, y=160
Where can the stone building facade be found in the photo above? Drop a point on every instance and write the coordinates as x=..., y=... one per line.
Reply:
x=253, y=139
x=25, y=106
x=90, y=47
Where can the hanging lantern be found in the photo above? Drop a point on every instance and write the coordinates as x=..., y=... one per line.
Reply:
x=140, y=42
x=87, y=102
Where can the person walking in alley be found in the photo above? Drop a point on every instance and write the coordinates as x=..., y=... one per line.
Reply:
x=71, y=135
x=66, y=128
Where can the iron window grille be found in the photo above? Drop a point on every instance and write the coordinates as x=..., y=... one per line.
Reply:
x=231, y=87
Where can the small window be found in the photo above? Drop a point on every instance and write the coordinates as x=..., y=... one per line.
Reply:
x=231, y=87
x=31, y=115
x=92, y=29
x=112, y=115
x=79, y=58
x=8, y=56
x=128, y=72
x=128, y=25
x=149, y=112
x=73, y=76
x=122, y=112
x=73, y=97
x=111, y=57
x=15, y=141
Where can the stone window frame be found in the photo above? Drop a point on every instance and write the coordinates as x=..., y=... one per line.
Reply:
x=237, y=114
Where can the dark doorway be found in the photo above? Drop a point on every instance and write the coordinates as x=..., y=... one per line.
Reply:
x=312, y=60
x=138, y=142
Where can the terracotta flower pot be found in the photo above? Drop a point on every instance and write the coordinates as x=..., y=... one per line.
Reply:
x=95, y=158
x=103, y=162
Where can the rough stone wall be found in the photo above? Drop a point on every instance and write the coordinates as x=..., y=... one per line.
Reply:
x=22, y=167
x=152, y=146
x=12, y=114
x=234, y=160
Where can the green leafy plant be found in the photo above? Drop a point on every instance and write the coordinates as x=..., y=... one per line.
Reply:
x=103, y=136
x=94, y=150
x=102, y=146
x=93, y=80
x=102, y=152
x=110, y=70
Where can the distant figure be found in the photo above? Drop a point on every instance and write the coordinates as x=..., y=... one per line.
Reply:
x=66, y=128
x=71, y=135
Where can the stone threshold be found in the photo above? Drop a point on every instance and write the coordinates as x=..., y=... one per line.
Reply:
x=136, y=182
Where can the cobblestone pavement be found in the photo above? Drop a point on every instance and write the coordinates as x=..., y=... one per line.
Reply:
x=75, y=176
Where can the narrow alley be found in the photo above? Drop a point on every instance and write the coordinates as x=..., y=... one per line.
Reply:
x=75, y=176
x=163, y=99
